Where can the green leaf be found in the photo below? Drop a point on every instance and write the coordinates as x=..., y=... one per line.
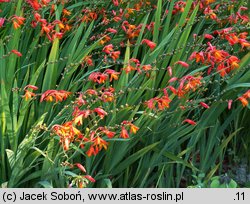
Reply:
x=131, y=159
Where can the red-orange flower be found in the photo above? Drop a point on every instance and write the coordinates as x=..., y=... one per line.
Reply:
x=184, y=64
x=17, y=21
x=92, y=151
x=79, y=115
x=111, y=30
x=90, y=178
x=100, y=112
x=129, y=68
x=244, y=97
x=81, y=167
x=132, y=31
x=115, y=55
x=198, y=56
x=243, y=100
x=35, y=4
x=108, y=49
x=112, y=74
x=28, y=94
x=57, y=95
x=19, y=54
x=147, y=67
x=98, y=77
x=247, y=94
x=162, y=102
x=192, y=83
x=67, y=133
x=191, y=122
x=208, y=36
x=97, y=145
x=124, y=133
x=66, y=12
x=2, y=20
x=204, y=105
x=107, y=132
x=133, y=128
x=149, y=43
x=100, y=143
x=107, y=96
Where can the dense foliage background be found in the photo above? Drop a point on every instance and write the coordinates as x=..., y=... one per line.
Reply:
x=140, y=93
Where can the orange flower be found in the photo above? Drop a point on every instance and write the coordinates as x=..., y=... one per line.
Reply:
x=81, y=167
x=105, y=39
x=100, y=143
x=209, y=1
x=129, y=68
x=204, y=105
x=17, y=21
x=124, y=133
x=163, y=102
x=191, y=122
x=111, y=30
x=233, y=61
x=19, y=54
x=107, y=132
x=91, y=92
x=112, y=73
x=79, y=115
x=56, y=95
x=100, y=112
x=97, y=145
x=92, y=151
x=149, y=43
x=243, y=101
x=184, y=64
x=244, y=43
x=210, y=13
x=67, y=133
x=147, y=67
x=208, y=36
x=30, y=87
x=199, y=56
x=90, y=178
x=131, y=31
x=150, y=103
x=133, y=128
x=192, y=83
x=116, y=2
x=107, y=96
x=35, y=4
x=88, y=60
x=219, y=55
x=232, y=38
x=115, y=55
x=66, y=12
x=28, y=95
x=108, y=49
x=247, y=94
x=98, y=77
x=244, y=97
